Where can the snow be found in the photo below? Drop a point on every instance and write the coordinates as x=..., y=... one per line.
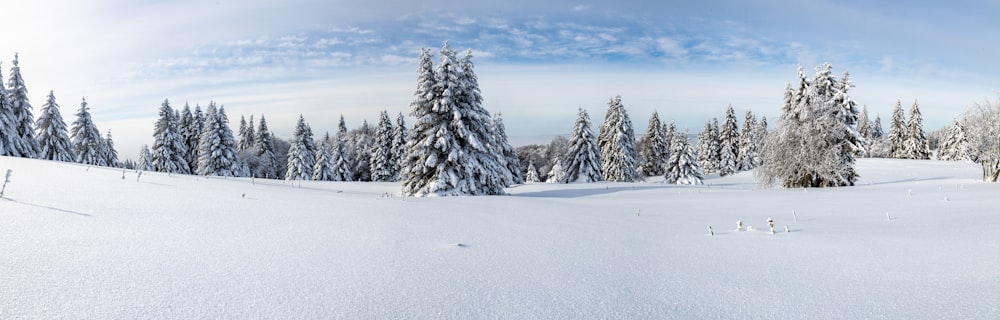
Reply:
x=82, y=242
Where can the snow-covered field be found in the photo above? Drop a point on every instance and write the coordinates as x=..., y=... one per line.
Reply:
x=84, y=243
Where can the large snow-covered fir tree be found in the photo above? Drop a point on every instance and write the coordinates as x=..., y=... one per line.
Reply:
x=302, y=154
x=264, y=145
x=583, y=159
x=168, y=145
x=915, y=146
x=682, y=167
x=145, y=162
x=709, y=147
x=53, y=139
x=86, y=137
x=24, y=144
x=341, y=161
x=898, y=134
x=399, y=144
x=729, y=143
x=953, y=146
x=8, y=123
x=247, y=137
x=451, y=146
x=616, y=139
x=323, y=168
x=557, y=174
x=656, y=147
x=505, y=152
x=383, y=158
x=217, y=155
x=109, y=152
x=190, y=130
x=746, y=157
x=360, y=145
x=815, y=141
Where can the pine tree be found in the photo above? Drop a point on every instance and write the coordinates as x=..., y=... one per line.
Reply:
x=168, y=147
x=877, y=131
x=145, y=159
x=323, y=169
x=302, y=154
x=953, y=147
x=556, y=174
x=360, y=145
x=704, y=147
x=86, y=138
x=617, y=144
x=52, y=137
x=243, y=144
x=656, y=147
x=583, y=159
x=505, y=152
x=399, y=144
x=760, y=137
x=8, y=122
x=110, y=154
x=729, y=139
x=916, y=142
x=24, y=144
x=682, y=168
x=865, y=129
x=190, y=128
x=341, y=161
x=217, y=154
x=531, y=175
x=266, y=159
x=747, y=143
x=382, y=162
x=450, y=151
x=897, y=133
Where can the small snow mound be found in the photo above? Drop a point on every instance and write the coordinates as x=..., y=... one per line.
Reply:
x=459, y=245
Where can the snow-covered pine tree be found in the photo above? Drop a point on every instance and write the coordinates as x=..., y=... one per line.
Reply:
x=188, y=132
x=747, y=143
x=341, y=161
x=505, y=152
x=24, y=145
x=217, y=154
x=110, y=154
x=451, y=146
x=53, y=139
x=877, y=131
x=953, y=147
x=8, y=121
x=531, y=175
x=865, y=130
x=583, y=159
x=760, y=137
x=323, y=169
x=618, y=154
x=399, y=143
x=302, y=154
x=168, y=146
x=655, y=147
x=86, y=138
x=916, y=142
x=145, y=159
x=242, y=144
x=382, y=162
x=360, y=143
x=729, y=141
x=703, y=148
x=266, y=159
x=556, y=174
x=682, y=168
x=897, y=133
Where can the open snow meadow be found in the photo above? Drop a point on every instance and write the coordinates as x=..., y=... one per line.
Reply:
x=914, y=240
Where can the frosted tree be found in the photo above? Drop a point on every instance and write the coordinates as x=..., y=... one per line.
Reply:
x=531, y=175
x=399, y=143
x=382, y=161
x=323, y=169
x=877, y=131
x=656, y=147
x=360, y=144
x=505, y=152
x=682, y=167
x=24, y=144
x=244, y=138
x=110, y=154
x=760, y=136
x=583, y=158
x=865, y=129
x=189, y=129
x=53, y=139
x=704, y=148
x=302, y=153
x=897, y=133
x=815, y=142
x=145, y=159
x=916, y=142
x=747, y=154
x=450, y=150
x=217, y=155
x=953, y=147
x=86, y=138
x=556, y=174
x=168, y=145
x=982, y=127
x=729, y=140
x=617, y=143
x=264, y=146
x=341, y=164
x=8, y=122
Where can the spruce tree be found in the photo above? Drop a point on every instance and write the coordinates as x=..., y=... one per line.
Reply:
x=916, y=141
x=190, y=129
x=556, y=174
x=110, y=154
x=341, y=162
x=145, y=159
x=583, y=159
x=682, y=168
x=168, y=146
x=531, y=175
x=745, y=159
x=897, y=133
x=703, y=149
x=877, y=131
x=217, y=155
x=382, y=160
x=618, y=154
x=86, y=138
x=655, y=147
x=302, y=153
x=8, y=121
x=24, y=144
x=505, y=152
x=360, y=145
x=729, y=139
x=266, y=159
x=243, y=144
x=323, y=169
x=53, y=140
x=865, y=129
x=760, y=137
x=953, y=147
x=399, y=144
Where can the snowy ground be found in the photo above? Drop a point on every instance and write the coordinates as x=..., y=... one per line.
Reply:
x=84, y=243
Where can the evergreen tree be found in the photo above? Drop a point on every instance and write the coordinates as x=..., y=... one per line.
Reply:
x=531, y=175
x=617, y=144
x=8, y=122
x=190, y=128
x=556, y=174
x=729, y=139
x=382, y=162
x=399, y=144
x=52, y=137
x=168, y=147
x=953, y=147
x=760, y=136
x=682, y=168
x=217, y=154
x=916, y=142
x=86, y=138
x=745, y=159
x=243, y=144
x=877, y=131
x=110, y=154
x=24, y=144
x=450, y=151
x=323, y=169
x=505, y=153
x=704, y=148
x=302, y=154
x=266, y=158
x=145, y=159
x=341, y=164
x=583, y=159
x=865, y=128
x=897, y=133
x=655, y=147
x=360, y=145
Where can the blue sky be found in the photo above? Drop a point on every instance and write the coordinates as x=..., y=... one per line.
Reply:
x=536, y=61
